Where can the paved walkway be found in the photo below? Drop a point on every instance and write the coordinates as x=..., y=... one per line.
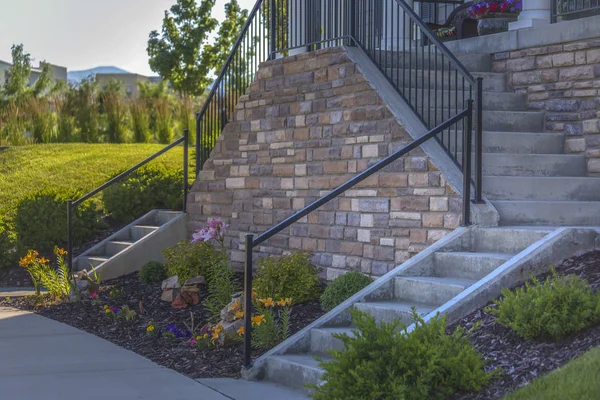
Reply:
x=44, y=359
x=17, y=291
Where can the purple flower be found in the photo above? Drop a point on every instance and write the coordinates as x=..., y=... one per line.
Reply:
x=214, y=230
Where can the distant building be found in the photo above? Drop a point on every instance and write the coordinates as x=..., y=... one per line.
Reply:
x=59, y=73
x=129, y=81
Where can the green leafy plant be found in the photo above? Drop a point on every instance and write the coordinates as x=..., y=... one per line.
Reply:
x=382, y=362
x=116, y=295
x=271, y=324
x=126, y=313
x=290, y=275
x=114, y=111
x=7, y=254
x=342, y=288
x=140, y=121
x=152, y=272
x=187, y=260
x=221, y=282
x=57, y=280
x=145, y=189
x=41, y=221
x=554, y=309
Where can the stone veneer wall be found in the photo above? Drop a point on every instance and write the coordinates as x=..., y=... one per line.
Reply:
x=564, y=81
x=306, y=125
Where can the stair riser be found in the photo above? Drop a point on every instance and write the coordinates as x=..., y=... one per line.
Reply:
x=499, y=121
x=495, y=101
x=425, y=292
x=564, y=189
x=542, y=213
x=435, y=81
x=532, y=165
x=520, y=143
x=388, y=315
x=85, y=263
x=291, y=374
x=472, y=62
x=455, y=265
x=507, y=241
x=323, y=341
x=112, y=248
x=138, y=232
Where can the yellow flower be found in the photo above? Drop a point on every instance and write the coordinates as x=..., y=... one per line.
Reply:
x=239, y=314
x=107, y=310
x=281, y=302
x=240, y=331
x=236, y=305
x=288, y=301
x=254, y=295
x=268, y=302
x=150, y=328
x=258, y=319
x=205, y=336
x=199, y=337
x=43, y=260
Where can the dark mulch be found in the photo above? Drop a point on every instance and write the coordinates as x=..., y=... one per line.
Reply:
x=176, y=354
x=522, y=360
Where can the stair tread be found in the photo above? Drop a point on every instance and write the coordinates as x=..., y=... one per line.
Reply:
x=441, y=279
x=400, y=306
x=99, y=258
x=147, y=226
x=501, y=256
x=305, y=360
x=127, y=242
x=336, y=329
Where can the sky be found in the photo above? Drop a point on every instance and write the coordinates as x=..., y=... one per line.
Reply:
x=82, y=34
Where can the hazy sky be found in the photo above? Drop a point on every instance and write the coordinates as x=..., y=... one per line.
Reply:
x=81, y=34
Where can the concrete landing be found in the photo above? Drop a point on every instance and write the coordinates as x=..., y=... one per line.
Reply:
x=241, y=389
x=45, y=359
x=17, y=292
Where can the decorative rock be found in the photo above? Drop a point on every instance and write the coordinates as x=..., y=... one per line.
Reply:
x=82, y=285
x=229, y=311
x=232, y=327
x=171, y=283
x=195, y=281
x=186, y=298
x=170, y=294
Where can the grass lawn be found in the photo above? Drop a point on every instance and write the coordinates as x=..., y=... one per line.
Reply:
x=72, y=166
x=578, y=380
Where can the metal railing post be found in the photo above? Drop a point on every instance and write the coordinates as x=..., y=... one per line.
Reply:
x=248, y=302
x=186, y=135
x=273, y=30
x=70, y=234
x=479, y=143
x=467, y=148
x=352, y=22
x=198, y=147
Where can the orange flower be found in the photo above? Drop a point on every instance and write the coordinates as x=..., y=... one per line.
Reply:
x=240, y=331
x=216, y=332
x=237, y=304
x=60, y=252
x=258, y=320
x=254, y=295
x=43, y=260
x=268, y=302
x=239, y=314
x=285, y=302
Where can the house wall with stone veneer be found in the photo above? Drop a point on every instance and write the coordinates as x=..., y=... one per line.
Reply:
x=306, y=125
x=564, y=81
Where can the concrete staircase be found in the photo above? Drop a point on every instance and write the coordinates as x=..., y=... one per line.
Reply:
x=133, y=246
x=526, y=174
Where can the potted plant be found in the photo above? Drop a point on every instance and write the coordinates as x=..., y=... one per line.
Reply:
x=494, y=15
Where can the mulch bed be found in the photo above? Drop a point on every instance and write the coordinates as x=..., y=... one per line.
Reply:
x=172, y=353
x=522, y=360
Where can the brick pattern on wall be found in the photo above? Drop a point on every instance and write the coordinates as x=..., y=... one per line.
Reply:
x=306, y=125
x=564, y=81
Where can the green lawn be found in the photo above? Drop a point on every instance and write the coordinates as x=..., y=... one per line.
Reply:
x=72, y=167
x=578, y=380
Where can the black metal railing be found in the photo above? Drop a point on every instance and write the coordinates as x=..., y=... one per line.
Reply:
x=436, y=11
x=564, y=10
x=73, y=204
x=465, y=115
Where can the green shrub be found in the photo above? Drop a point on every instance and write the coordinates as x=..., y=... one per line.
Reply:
x=553, y=309
x=221, y=282
x=287, y=276
x=7, y=255
x=187, y=260
x=380, y=362
x=146, y=189
x=41, y=221
x=152, y=272
x=342, y=288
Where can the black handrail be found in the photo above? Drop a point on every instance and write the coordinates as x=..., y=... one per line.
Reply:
x=252, y=242
x=71, y=204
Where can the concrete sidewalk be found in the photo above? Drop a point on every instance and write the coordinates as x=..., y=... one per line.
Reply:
x=44, y=359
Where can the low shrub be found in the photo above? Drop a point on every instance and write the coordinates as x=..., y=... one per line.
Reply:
x=221, y=282
x=7, y=258
x=380, y=362
x=41, y=221
x=290, y=275
x=342, y=288
x=187, y=260
x=551, y=310
x=146, y=189
x=152, y=272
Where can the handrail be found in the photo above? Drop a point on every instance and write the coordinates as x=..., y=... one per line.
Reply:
x=252, y=242
x=71, y=204
x=433, y=38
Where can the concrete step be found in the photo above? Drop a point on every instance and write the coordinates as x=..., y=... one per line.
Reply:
x=541, y=188
x=429, y=289
x=139, y=231
x=389, y=311
x=388, y=59
x=114, y=247
x=435, y=80
x=466, y=265
x=503, y=121
x=438, y=99
x=521, y=142
x=322, y=339
x=564, y=213
x=506, y=241
x=294, y=370
x=86, y=262
x=533, y=164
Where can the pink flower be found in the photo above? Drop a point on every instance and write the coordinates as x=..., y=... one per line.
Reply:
x=93, y=295
x=193, y=342
x=214, y=229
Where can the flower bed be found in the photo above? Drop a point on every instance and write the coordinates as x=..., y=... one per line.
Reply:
x=172, y=348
